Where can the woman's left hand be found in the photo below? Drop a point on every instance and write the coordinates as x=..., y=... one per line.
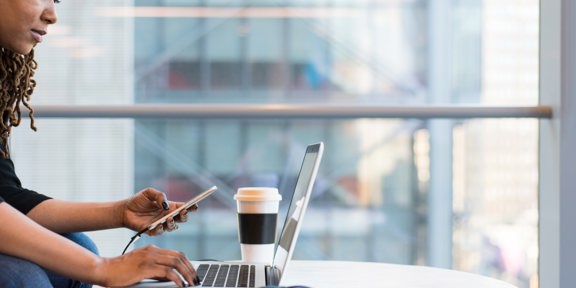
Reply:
x=149, y=205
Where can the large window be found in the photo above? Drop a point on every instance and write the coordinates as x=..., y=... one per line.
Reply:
x=454, y=193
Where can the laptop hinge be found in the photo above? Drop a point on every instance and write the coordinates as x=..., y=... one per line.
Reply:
x=272, y=276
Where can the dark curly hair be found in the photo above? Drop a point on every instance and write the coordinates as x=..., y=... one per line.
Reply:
x=16, y=87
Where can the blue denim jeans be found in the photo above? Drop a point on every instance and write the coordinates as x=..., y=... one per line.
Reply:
x=19, y=273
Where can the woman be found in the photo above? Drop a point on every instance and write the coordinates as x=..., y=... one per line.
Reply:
x=39, y=243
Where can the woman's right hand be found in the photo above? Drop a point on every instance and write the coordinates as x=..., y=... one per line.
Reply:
x=149, y=262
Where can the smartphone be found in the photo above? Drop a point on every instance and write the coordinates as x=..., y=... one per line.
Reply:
x=185, y=206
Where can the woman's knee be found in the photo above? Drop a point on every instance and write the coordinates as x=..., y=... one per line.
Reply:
x=19, y=273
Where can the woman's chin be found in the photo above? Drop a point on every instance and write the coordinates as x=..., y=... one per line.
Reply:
x=24, y=49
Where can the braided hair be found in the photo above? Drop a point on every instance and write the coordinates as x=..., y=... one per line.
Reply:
x=16, y=87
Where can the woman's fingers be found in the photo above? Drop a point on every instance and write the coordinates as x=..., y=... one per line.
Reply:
x=167, y=273
x=159, y=230
x=157, y=196
x=183, y=215
x=177, y=261
x=170, y=225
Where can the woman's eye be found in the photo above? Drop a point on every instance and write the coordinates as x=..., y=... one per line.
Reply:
x=56, y=1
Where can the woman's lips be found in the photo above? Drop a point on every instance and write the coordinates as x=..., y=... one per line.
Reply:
x=37, y=35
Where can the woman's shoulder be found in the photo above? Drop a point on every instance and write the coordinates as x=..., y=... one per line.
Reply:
x=7, y=173
x=6, y=163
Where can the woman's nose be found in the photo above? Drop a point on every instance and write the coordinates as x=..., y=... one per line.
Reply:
x=49, y=15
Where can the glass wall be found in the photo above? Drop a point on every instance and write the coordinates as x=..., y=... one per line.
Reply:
x=377, y=183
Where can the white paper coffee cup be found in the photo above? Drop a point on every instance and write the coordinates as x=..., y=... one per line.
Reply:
x=257, y=222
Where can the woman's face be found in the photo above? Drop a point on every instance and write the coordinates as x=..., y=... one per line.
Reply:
x=24, y=22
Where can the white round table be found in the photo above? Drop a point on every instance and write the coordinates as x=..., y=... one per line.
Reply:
x=334, y=274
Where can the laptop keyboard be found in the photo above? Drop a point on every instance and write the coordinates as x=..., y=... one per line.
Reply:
x=227, y=275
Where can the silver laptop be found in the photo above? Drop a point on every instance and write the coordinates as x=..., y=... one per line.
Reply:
x=241, y=274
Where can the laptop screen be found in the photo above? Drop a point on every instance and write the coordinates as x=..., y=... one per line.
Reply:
x=298, y=205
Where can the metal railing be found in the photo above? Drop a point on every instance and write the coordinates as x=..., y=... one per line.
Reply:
x=288, y=111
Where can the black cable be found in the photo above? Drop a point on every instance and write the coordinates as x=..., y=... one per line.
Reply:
x=134, y=238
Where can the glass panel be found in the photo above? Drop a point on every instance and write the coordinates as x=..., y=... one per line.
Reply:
x=369, y=202
x=495, y=201
x=366, y=52
x=373, y=192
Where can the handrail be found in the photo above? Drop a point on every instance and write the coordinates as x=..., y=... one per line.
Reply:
x=288, y=111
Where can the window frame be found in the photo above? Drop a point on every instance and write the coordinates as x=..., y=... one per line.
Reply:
x=557, y=139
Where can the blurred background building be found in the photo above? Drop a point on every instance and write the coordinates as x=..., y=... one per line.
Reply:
x=384, y=185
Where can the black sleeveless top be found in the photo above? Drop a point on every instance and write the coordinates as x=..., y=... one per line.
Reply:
x=11, y=190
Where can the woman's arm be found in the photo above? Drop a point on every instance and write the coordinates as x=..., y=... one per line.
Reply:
x=67, y=217
x=134, y=213
x=24, y=238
